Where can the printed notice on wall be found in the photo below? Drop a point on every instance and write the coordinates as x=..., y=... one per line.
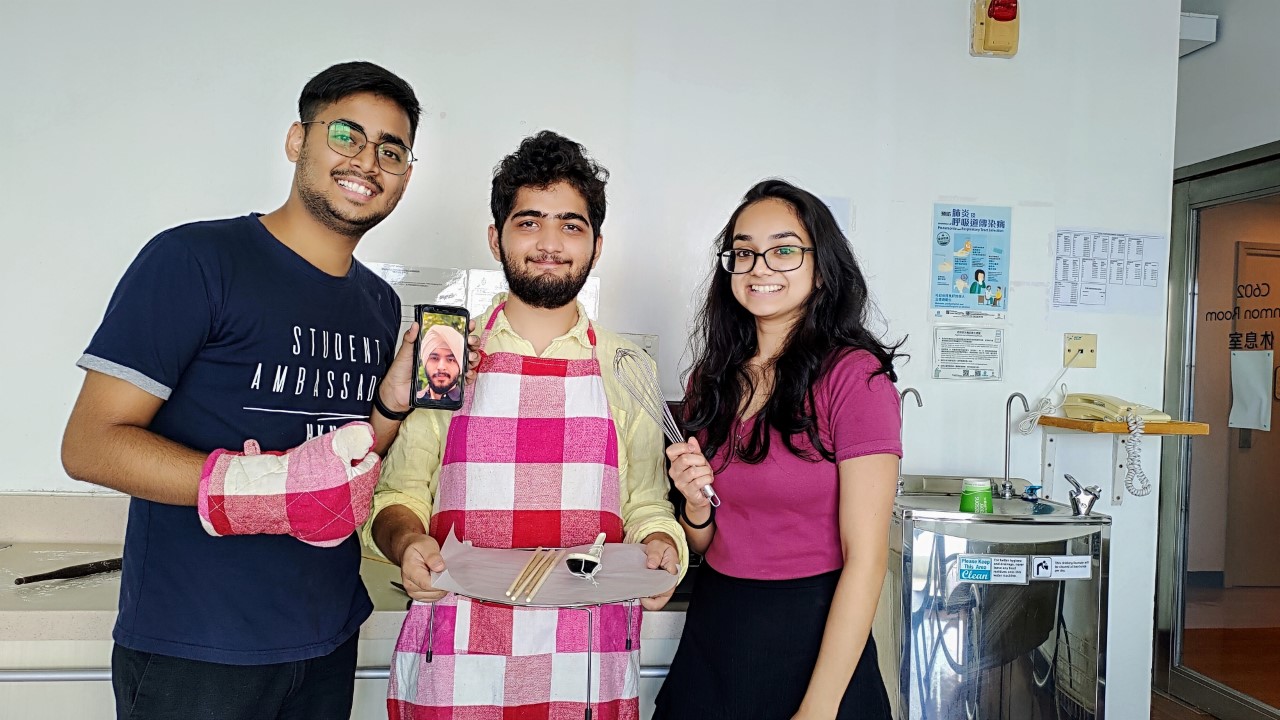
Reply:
x=970, y=262
x=422, y=286
x=1108, y=272
x=967, y=352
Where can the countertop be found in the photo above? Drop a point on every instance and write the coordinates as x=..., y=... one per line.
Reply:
x=55, y=636
x=85, y=608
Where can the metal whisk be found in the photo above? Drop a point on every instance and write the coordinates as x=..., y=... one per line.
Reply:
x=641, y=381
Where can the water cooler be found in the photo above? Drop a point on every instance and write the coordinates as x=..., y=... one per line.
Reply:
x=996, y=616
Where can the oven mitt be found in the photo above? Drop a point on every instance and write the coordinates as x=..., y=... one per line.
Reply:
x=319, y=492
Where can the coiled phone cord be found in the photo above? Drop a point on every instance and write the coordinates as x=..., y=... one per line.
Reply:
x=1135, y=479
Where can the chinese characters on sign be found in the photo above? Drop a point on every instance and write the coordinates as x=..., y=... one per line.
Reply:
x=1251, y=341
x=968, y=352
x=970, y=261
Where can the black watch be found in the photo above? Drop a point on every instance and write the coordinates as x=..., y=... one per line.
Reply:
x=387, y=412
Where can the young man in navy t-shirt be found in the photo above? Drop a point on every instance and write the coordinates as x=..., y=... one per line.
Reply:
x=257, y=328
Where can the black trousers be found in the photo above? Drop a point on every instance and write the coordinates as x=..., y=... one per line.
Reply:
x=749, y=648
x=159, y=687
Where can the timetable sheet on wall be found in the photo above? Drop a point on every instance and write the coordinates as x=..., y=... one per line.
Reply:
x=1108, y=272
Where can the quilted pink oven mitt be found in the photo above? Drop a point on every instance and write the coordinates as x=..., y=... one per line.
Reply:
x=319, y=492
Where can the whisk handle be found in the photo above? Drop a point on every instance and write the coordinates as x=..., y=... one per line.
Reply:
x=711, y=495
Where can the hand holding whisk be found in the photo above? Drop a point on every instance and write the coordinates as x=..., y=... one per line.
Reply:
x=640, y=380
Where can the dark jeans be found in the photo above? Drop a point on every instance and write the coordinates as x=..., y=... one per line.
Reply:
x=158, y=687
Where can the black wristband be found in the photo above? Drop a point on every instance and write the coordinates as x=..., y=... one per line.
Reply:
x=692, y=526
x=387, y=412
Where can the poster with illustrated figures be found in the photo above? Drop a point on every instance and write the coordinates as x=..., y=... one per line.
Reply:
x=970, y=261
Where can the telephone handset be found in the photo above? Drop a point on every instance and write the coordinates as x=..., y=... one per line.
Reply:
x=1092, y=406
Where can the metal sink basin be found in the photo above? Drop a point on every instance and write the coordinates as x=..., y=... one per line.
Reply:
x=951, y=484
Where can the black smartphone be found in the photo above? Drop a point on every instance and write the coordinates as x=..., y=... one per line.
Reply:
x=440, y=356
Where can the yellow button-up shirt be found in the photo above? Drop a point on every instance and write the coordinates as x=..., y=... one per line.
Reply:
x=411, y=470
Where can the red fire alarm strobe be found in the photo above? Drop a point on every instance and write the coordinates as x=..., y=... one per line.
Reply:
x=1003, y=10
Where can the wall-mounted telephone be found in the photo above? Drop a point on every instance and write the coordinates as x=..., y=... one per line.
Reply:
x=1091, y=406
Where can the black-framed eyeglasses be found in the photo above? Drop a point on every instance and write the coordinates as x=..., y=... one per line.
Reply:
x=783, y=258
x=348, y=141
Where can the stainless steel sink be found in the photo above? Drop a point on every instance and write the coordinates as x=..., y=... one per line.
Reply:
x=951, y=484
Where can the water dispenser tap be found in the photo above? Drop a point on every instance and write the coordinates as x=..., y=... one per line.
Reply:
x=919, y=403
x=1083, y=498
x=1006, y=487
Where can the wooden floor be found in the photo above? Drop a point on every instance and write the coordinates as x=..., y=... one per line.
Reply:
x=1244, y=659
x=1163, y=708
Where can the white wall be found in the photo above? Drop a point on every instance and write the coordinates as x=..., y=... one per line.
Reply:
x=1255, y=221
x=1229, y=92
x=139, y=116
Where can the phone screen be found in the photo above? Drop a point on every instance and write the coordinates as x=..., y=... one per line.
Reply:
x=440, y=356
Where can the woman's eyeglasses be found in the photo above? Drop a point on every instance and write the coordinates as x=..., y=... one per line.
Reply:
x=783, y=258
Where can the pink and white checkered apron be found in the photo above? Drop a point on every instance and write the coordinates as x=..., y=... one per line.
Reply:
x=531, y=459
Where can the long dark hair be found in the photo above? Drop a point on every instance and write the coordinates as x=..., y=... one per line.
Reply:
x=833, y=323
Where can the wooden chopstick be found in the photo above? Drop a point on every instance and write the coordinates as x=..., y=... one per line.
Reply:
x=555, y=559
x=532, y=577
x=534, y=563
x=528, y=564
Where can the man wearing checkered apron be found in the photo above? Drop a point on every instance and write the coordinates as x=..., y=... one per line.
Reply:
x=546, y=451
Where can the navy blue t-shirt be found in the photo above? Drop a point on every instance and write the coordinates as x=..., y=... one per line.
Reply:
x=243, y=339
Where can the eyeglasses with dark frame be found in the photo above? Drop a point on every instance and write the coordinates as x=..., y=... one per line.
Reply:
x=783, y=258
x=348, y=141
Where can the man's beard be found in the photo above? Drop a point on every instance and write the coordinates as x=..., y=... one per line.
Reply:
x=543, y=290
x=442, y=390
x=318, y=204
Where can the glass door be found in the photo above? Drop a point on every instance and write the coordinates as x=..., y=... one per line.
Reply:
x=1218, y=609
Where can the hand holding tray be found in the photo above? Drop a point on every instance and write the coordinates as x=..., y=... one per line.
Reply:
x=487, y=574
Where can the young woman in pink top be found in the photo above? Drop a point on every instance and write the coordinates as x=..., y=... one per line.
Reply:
x=794, y=419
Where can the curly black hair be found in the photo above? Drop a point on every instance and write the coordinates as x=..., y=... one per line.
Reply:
x=541, y=161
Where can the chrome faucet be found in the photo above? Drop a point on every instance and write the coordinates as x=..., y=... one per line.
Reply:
x=919, y=403
x=910, y=391
x=1082, y=498
x=1006, y=487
